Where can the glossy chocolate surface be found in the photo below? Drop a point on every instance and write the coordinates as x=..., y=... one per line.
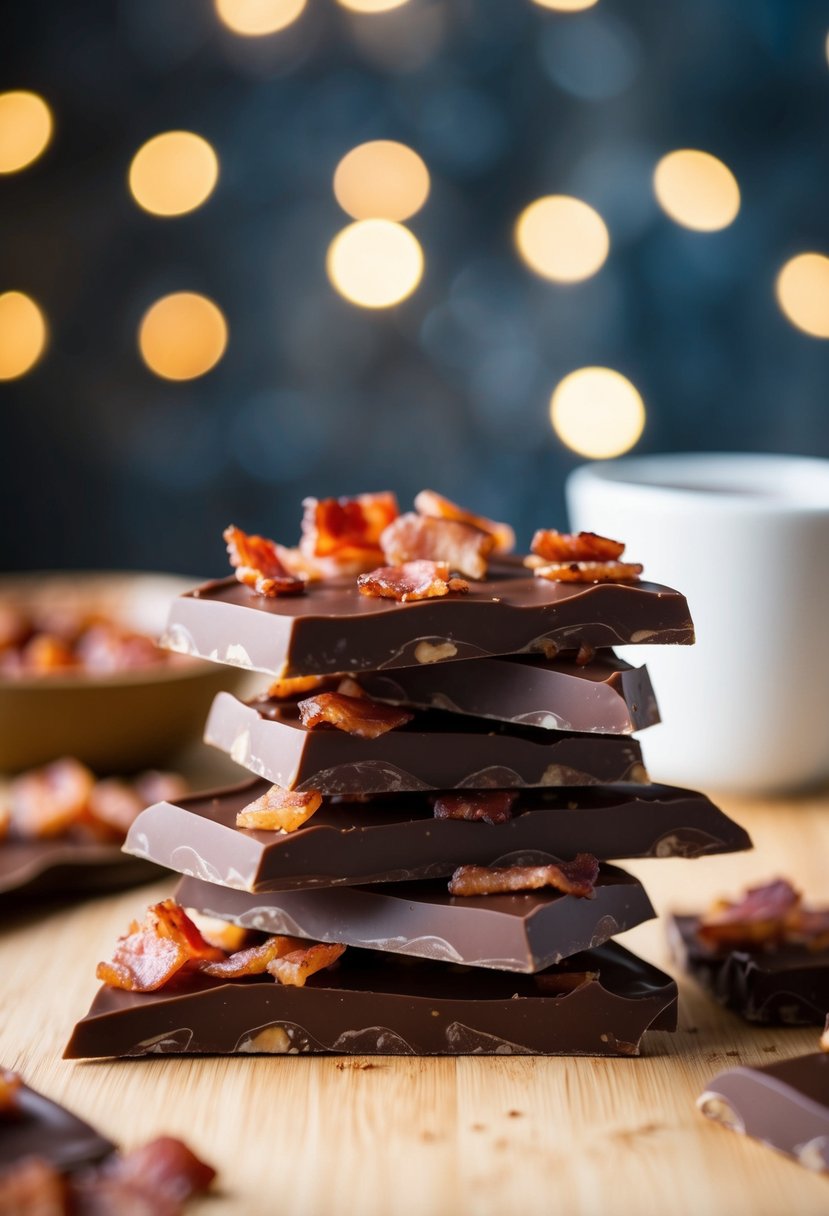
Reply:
x=435, y=751
x=42, y=1128
x=527, y=931
x=41, y=870
x=384, y=1004
x=334, y=628
x=395, y=838
x=788, y=985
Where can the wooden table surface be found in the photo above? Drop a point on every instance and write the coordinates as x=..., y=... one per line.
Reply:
x=304, y=1136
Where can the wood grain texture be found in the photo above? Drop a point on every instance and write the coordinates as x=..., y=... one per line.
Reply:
x=466, y=1137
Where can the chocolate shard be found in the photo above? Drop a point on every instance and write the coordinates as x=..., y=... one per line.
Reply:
x=788, y=985
x=395, y=838
x=38, y=871
x=524, y=932
x=42, y=1128
x=600, y=1002
x=606, y=696
x=433, y=751
x=785, y=1105
x=334, y=628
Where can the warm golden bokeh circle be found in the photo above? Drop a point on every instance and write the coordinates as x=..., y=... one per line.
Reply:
x=597, y=412
x=802, y=291
x=25, y=129
x=182, y=336
x=22, y=334
x=257, y=18
x=375, y=263
x=696, y=190
x=173, y=173
x=381, y=179
x=562, y=238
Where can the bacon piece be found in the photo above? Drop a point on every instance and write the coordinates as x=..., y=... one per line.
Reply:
x=288, y=689
x=428, y=502
x=34, y=1187
x=461, y=546
x=149, y=955
x=294, y=969
x=105, y=647
x=47, y=655
x=589, y=572
x=280, y=810
x=155, y=1180
x=577, y=877
x=5, y=820
x=356, y=715
x=10, y=1083
x=113, y=806
x=346, y=530
x=490, y=806
x=585, y=656
x=15, y=627
x=417, y=580
x=761, y=916
x=222, y=934
x=555, y=546
x=257, y=564
x=45, y=802
x=254, y=960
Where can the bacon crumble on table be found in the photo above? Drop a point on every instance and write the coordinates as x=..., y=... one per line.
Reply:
x=280, y=810
x=255, y=959
x=358, y=716
x=765, y=916
x=576, y=877
x=149, y=955
x=258, y=565
x=488, y=806
x=295, y=968
x=463, y=547
x=415, y=580
x=429, y=502
x=342, y=535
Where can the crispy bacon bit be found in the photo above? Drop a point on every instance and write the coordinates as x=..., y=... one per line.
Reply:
x=158, y=1178
x=762, y=916
x=258, y=565
x=280, y=810
x=417, y=580
x=34, y=1187
x=294, y=969
x=46, y=802
x=577, y=877
x=491, y=806
x=149, y=955
x=10, y=1083
x=113, y=806
x=46, y=654
x=555, y=546
x=288, y=689
x=222, y=934
x=589, y=572
x=428, y=502
x=105, y=647
x=585, y=656
x=346, y=531
x=356, y=715
x=254, y=960
x=422, y=537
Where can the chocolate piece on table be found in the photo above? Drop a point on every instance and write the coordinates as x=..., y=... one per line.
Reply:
x=41, y=870
x=787, y=985
x=433, y=751
x=785, y=1104
x=42, y=1128
x=383, y=1004
x=521, y=932
x=396, y=837
x=334, y=628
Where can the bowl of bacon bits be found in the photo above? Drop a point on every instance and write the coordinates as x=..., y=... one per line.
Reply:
x=81, y=674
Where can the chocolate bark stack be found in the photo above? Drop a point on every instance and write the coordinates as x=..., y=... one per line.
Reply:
x=517, y=751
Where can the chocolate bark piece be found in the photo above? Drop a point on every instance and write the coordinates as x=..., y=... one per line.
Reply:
x=785, y=1105
x=42, y=1128
x=433, y=751
x=394, y=838
x=384, y=1004
x=38, y=871
x=788, y=985
x=606, y=696
x=527, y=931
x=333, y=628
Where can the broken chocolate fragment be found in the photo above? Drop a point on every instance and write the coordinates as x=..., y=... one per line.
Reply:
x=42, y=1128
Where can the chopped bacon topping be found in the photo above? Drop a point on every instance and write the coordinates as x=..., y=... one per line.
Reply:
x=113, y=806
x=416, y=580
x=258, y=565
x=428, y=502
x=158, y=1177
x=555, y=546
x=280, y=810
x=46, y=802
x=415, y=537
x=490, y=806
x=762, y=916
x=149, y=955
x=589, y=572
x=577, y=877
x=5, y=820
x=45, y=654
x=295, y=686
x=356, y=715
x=254, y=960
x=10, y=1083
x=295, y=968
x=347, y=530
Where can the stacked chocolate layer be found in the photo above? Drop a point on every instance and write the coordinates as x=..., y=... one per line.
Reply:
x=497, y=702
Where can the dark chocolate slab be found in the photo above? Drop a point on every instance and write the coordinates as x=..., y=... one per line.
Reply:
x=785, y=1105
x=44, y=1129
x=384, y=1004
x=607, y=696
x=394, y=838
x=436, y=751
x=334, y=628
x=517, y=932
x=41, y=870
x=788, y=985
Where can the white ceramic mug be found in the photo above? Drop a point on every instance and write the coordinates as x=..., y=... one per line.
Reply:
x=746, y=539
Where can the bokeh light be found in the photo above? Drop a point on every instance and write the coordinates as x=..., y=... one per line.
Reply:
x=802, y=291
x=372, y=6
x=566, y=6
x=182, y=336
x=173, y=173
x=597, y=412
x=381, y=179
x=25, y=129
x=256, y=18
x=22, y=334
x=562, y=238
x=696, y=190
x=375, y=263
